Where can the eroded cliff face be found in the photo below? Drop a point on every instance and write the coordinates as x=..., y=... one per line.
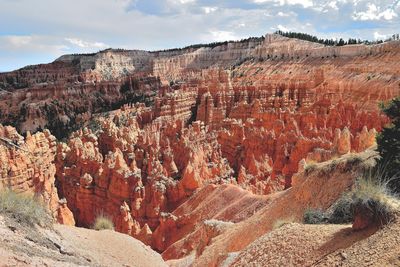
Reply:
x=66, y=93
x=249, y=114
x=27, y=166
x=64, y=107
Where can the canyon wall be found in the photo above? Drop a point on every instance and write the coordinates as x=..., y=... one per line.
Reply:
x=66, y=93
x=64, y=107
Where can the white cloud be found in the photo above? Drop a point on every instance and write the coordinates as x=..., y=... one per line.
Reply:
x=262, y=1
x=374, y=13
x=32, y=44
x=333, y=5
x=209, y=9
x=85, y=44
x=282, y=28
x=182, y=2
x=378, y=36
x=388, y=14
x=187, y=1
x=18, y=41
x=286, y=14
x=219, y=36
x=304, y=3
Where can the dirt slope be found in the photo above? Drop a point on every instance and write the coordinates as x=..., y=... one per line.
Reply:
x=297, y=245
x=212, y=207
x=110, y=248
x=70, y=246
x=324, y=245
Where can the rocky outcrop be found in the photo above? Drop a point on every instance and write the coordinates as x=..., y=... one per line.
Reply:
x=178, y=105
x=62, y=245
x=27, y=167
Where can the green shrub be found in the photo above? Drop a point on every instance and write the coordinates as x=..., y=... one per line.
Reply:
x=103, y=222
x=314, y=216
x=24, y=208
x=94, y=125
x=342, y=210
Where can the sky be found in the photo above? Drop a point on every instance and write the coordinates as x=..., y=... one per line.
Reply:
x=39, y=31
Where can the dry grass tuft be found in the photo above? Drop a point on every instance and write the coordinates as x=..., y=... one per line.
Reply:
x=24, y=208
x=373, y=195
x=103, y=222
x=310, y=167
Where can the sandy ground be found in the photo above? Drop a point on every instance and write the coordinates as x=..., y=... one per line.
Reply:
x=71, y=246
x=324, y=245
x=298, y=245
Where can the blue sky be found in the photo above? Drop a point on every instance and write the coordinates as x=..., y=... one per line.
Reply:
x=39, y=31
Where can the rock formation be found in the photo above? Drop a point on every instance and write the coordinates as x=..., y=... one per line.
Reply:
x=135, y=174
x=27, y=166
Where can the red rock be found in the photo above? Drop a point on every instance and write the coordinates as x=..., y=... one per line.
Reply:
x=27, y=167
x=64, y=214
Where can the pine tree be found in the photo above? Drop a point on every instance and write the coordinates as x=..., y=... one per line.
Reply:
x=389, y=144
x=341, y=42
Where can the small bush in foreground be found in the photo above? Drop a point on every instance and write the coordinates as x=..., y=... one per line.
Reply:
x=314, y=216
x=24, y=208
x=342, y=210
x=103, y=222
x=373, y=198
x=370, y=199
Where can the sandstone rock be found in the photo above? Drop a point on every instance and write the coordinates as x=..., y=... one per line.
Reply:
x=342, y=141
x=27, y=167
x=64, y=214
x=145, y=235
